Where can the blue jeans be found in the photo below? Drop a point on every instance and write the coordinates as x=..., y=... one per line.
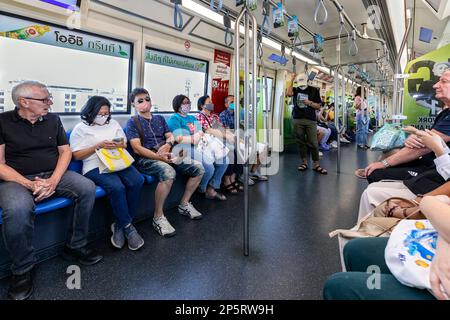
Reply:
x=123, y=189
x=362, y=128
x=18, y=207
x=214, y=170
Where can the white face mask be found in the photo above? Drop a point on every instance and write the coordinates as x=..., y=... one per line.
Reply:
x=185, y=108
x=100, y=120
x=303, y=87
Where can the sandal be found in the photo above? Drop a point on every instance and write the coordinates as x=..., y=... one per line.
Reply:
x=230, y=188
x=302, y=167
x=320, y=170
x=217, y=196
x=238, y=186
x=361, y=173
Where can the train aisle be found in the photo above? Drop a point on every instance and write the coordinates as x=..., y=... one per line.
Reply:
x=291, y=254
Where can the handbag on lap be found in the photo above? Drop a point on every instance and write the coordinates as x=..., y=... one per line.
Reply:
x=113, y=160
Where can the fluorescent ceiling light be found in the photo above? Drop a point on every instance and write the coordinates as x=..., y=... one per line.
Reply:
x=212, y=15
x=206, y=12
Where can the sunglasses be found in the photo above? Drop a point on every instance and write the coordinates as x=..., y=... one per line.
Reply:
x=142, y=100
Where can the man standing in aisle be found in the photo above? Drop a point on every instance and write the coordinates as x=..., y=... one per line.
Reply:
x=306, y=101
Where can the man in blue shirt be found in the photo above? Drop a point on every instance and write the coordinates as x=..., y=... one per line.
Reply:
x=152, y=141
x=227, y=116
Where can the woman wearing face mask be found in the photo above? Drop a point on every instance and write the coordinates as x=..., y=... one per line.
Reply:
x=212, y=125
x=188, y=132
x=98, y=131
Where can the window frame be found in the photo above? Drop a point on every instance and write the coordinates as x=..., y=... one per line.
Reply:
x=130, y=60
x=205, y=89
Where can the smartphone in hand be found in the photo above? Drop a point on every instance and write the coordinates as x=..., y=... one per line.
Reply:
x=118, y=140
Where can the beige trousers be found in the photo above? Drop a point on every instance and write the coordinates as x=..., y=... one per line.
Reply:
x=378, y=192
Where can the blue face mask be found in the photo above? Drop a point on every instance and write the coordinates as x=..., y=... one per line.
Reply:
x=232, y=106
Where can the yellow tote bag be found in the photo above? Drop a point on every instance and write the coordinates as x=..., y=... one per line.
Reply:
x=112, y=160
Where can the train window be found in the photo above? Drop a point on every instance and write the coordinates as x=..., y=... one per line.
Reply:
x=167, y=75
x=74, y=65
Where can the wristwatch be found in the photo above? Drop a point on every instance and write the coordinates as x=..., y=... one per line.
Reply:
x=385, y=163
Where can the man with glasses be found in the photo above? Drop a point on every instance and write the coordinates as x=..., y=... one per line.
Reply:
x=34, y=156
x=152, y=142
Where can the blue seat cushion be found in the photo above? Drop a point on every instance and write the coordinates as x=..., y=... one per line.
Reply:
x=148, y=179
x=99, y=192
x=48, y=205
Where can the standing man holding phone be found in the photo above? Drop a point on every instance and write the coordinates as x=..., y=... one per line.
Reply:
x=306, y=102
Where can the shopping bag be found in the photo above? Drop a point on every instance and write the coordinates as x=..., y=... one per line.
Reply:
x=388, y=137
x=212, y=147
x=410, y=251
x=112, y=160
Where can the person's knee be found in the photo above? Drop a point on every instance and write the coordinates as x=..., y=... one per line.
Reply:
x=166, y=173
x=375, y=176
x=18, y=212
x=83, y=187
x=118, y=189
x=334, y=286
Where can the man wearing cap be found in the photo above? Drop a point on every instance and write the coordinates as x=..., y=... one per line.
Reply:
x=306, y=101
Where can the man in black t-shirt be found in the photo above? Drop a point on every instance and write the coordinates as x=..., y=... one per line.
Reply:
x=34, y=156
x=306, y=102
x=415, y=158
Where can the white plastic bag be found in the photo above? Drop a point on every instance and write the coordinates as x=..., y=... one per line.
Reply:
x=410, y=252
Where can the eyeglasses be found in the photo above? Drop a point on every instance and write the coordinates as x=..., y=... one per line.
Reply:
x=45, y=100
x=142, y=100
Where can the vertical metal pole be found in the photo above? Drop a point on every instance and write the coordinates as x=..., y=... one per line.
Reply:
x=336, y=116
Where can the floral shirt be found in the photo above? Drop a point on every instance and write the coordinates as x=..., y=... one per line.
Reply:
x=207, y=122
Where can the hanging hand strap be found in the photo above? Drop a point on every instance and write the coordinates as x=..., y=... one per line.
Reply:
x=266, y=26
x=343, y=27
x=228, y=34
x=353, y=48
x=283, y=51
x=320, y=20
x=219, y=5
x=177, y=16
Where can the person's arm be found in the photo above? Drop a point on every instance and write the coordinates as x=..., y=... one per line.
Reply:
x=146, y=153
x=290, y=88
x=403, y=156
x=10, y=175
x=437, y=211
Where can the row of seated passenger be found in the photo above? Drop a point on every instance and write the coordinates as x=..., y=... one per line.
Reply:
x=387, y=256
x=56, y=203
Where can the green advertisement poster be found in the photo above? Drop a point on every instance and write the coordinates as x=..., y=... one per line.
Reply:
x=419, y=103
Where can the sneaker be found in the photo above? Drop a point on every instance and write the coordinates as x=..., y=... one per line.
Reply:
x=134, y=239
x=334, y=145
x=320, y=154
x=258, y=176
x=343, y=140
x=163, y=227
x=250, y=181
x=189, y=211
x=117, y=238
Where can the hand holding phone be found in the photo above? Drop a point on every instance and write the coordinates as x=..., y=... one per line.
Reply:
x=118, y=140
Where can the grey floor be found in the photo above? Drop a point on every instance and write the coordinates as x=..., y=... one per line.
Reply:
x=290, y=257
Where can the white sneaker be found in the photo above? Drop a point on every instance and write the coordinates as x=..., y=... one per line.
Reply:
x=163, y=227
x=344, y=140
x=334, y=144
x=258, y=176
x=188, y=210
x=320, y=154
x=250, y=180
